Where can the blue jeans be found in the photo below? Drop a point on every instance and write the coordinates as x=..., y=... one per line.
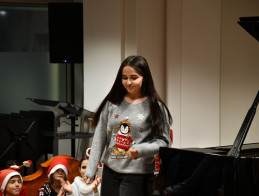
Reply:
x=119, y=184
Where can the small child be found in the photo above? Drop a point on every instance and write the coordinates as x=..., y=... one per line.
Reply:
x=12, y=164
x=79, y=187
x=10, y=182
x=58, y=170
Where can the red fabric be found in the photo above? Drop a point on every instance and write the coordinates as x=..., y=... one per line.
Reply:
x=123, y=142
x=23, y=191
x=57, y=161
x=157, y=163
x=171, y=135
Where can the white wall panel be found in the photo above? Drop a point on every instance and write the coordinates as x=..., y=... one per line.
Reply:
x=102, y=49
x=239, y=70
x=151, y=20
x=173, y=66
x=197, y=67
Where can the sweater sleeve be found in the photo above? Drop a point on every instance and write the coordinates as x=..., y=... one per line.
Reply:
x=151, y=147
x=99, y=143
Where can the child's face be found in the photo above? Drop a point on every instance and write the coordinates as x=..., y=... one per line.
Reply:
x=13, y=186
x=59, y=174
x=83, y=167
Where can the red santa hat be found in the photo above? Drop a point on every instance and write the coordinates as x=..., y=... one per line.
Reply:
x=5, y=176
x=58, y=163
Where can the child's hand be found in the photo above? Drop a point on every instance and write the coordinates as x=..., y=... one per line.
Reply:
x=66, y=186
x=97, y=181
x=62, y=192
x=88, y=180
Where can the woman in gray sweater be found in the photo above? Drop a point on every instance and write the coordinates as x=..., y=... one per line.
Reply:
x=131, y=124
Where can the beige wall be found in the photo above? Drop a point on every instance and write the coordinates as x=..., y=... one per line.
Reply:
x=239, y=70
x=102, y=48
x=151, y=21
x=204, y=65
x=107, y=41
x=193, y=62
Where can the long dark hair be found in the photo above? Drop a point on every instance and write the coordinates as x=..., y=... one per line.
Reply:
x=118, y=92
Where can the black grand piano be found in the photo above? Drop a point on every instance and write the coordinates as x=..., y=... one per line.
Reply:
x=216, y=171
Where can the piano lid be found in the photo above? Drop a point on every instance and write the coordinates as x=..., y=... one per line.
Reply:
x=251, y=25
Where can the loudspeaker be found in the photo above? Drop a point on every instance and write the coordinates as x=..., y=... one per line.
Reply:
x=65, y=32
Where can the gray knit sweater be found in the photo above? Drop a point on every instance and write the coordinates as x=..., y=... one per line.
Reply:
x=121, y=127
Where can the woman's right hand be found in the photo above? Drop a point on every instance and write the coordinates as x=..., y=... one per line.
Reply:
x=88, y=180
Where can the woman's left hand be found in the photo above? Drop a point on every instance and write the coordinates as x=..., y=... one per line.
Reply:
x=133, y=153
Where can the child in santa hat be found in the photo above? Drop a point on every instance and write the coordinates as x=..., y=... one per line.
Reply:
x=12, y=164
x=58, y=170
x=10, y=182
x=79, y=187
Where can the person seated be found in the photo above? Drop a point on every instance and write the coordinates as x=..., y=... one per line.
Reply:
x=58, y=170
x=79, y=187
x=12, y=164
x=10, y=182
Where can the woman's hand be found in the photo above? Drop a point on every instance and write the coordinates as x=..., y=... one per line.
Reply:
x=88, y=180
x=66, y=186
x=133, y=153
x=97, y=181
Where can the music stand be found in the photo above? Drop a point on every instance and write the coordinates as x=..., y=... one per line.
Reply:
x=71, y=111
x=18, y=139
x=21, y=137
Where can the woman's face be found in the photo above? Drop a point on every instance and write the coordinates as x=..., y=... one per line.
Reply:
x=132, y=81
x=13, y=186
x=59, y=174
x=83, y=167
